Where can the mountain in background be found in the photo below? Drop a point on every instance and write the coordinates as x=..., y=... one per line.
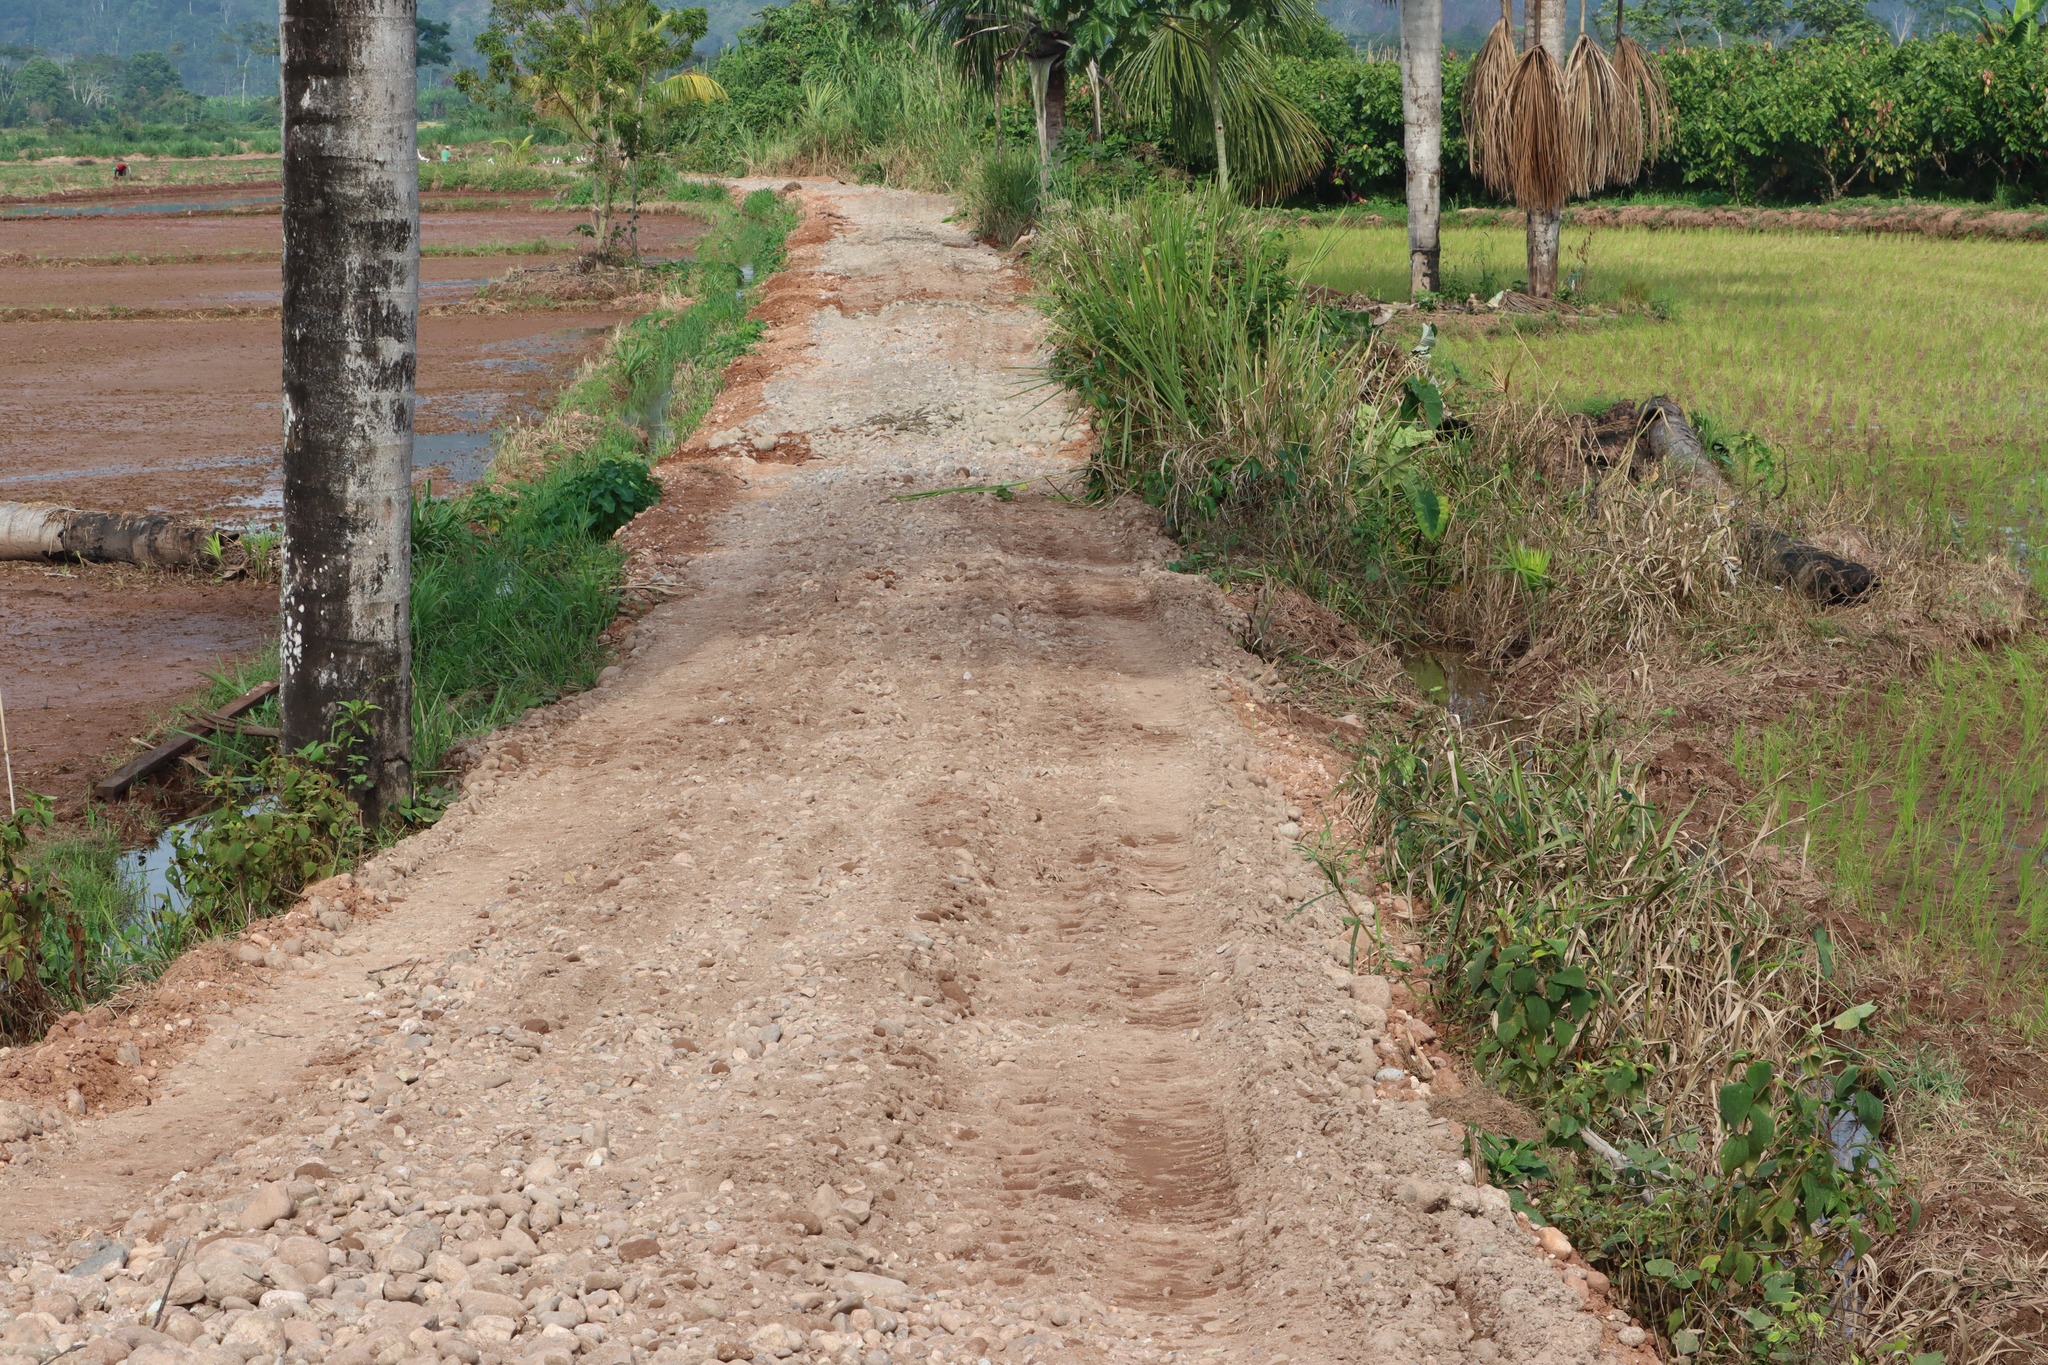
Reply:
x=216, y=44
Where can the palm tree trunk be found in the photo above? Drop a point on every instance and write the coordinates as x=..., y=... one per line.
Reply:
x=1422, y=127
x=351, y=309
x=1048, y=61
x=1545, y=25
x=1095, y=96
x=1213, y=78
x=1041, y=102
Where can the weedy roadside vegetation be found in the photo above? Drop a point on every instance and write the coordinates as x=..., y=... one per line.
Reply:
x=1740, y=1119
x=514, y=583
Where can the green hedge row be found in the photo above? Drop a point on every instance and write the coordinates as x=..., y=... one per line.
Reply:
x=1810, y=120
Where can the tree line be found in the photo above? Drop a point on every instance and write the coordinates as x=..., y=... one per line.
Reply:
x=98, y=89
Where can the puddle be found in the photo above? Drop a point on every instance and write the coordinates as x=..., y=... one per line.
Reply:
x=109, y=470
x=1452, y=681
x=465, y=455
x=538, y=353
x=157, y=206
x=148, y=871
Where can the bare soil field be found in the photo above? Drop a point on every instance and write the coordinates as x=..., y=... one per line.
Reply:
x=171, y=405
x=899, y=957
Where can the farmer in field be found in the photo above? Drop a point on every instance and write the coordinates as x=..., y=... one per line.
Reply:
x=120, y=170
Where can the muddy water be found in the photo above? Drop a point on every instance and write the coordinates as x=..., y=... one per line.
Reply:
x=96, y=238
x=232, y=283
x=181, y=414
x=1451, y=680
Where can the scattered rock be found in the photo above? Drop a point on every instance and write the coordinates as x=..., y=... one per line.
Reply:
x=272, y=1204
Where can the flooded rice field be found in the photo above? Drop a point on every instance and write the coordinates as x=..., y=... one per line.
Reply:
x=157, y=391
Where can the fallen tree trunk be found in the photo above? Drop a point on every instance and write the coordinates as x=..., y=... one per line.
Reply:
x=31, y=530
x=1827, y=578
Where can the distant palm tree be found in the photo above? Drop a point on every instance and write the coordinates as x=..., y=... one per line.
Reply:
x=1204, y=68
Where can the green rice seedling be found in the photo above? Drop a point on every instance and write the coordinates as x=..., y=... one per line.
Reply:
x=1928, y=802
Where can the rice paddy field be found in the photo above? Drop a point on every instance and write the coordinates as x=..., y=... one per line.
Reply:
x=1903, y=371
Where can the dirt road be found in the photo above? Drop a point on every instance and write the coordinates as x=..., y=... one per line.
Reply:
x=894, y=960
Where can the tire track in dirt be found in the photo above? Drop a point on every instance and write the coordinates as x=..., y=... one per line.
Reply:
x=895, y=959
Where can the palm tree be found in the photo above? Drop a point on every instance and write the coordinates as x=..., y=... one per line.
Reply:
x=1422, y=137
x=1202, y=67
x=351, y=308
x=1543, y=22
x=987, y=35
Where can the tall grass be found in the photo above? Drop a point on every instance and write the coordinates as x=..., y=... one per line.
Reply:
x=1001, y=195
x=1222, y=397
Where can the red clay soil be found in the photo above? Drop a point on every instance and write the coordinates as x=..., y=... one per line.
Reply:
x=180, y=414
x=255, y=282
x=1920, y=220
x=75, y=238
x=95, y=653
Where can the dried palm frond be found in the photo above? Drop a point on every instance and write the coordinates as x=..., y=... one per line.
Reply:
x=1640, y=76
x=1486, y=106
x=1542, y=149
x=1606, y=120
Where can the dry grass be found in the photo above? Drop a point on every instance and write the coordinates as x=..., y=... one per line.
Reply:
x=1643, y=79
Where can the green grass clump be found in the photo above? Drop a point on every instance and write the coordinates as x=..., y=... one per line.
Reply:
x=1898, y=368
x=1667, y=1018
x=1001, y=195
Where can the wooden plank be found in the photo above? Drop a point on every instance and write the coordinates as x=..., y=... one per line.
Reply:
x=116, y=784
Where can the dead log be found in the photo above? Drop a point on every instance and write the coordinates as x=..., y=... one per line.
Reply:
x=1826, y=578
x=182, y=742
x=31, y=530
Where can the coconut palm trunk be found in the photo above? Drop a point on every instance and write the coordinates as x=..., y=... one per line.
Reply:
x=1213, y=82
x=1422, y=136
x=1048, y=62
x=351, y=307
x=1544, y=21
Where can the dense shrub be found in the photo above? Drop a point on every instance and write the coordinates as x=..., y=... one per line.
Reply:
x=1809, y=120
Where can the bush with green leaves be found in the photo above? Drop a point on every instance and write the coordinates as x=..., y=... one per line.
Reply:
x=597, y=500
x=1711, y=1125
x=1798, y=122
x=253, y=855
x=32, y=908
